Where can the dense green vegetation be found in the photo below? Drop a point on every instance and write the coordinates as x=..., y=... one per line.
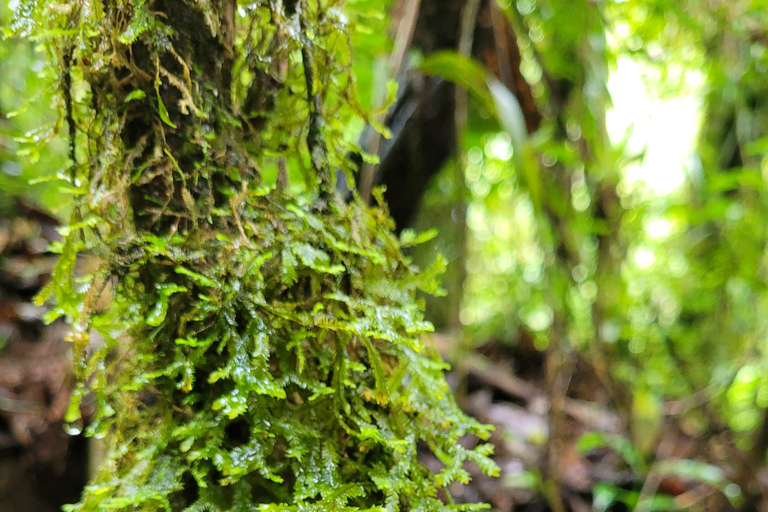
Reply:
x=263, y=346
x=663, y=293
x=266, y=344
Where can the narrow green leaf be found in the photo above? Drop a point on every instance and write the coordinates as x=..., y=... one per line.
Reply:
x=378, y=371
x=463, y=71
x=199, y=278
x=164, y=112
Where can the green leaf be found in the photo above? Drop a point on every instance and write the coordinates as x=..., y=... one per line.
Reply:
x=686, y=468
x=604, y=495
x=137, y=94
x=463, y=71
x=510, y=115
x=621, y=445
x=496, y=98
x=158, y=312
x=316, y=259
x=382, y=394
x=410, y=238
x=524, y=480
x=509, y=112
x=198, y=278
x=163, y=111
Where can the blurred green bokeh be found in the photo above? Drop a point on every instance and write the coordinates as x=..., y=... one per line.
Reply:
x=31, y=147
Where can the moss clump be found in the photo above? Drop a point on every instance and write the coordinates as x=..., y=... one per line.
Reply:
x=263, y=347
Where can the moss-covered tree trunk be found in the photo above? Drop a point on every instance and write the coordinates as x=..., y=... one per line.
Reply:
x=264, y=344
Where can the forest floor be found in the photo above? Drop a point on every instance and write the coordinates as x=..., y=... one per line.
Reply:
x=591, y=464
x=41, y=467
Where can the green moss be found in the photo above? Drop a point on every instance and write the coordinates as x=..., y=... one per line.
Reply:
x=263, y=349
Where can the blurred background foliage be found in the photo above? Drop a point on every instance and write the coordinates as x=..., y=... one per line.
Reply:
x=618, y=246
x=28, y=118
